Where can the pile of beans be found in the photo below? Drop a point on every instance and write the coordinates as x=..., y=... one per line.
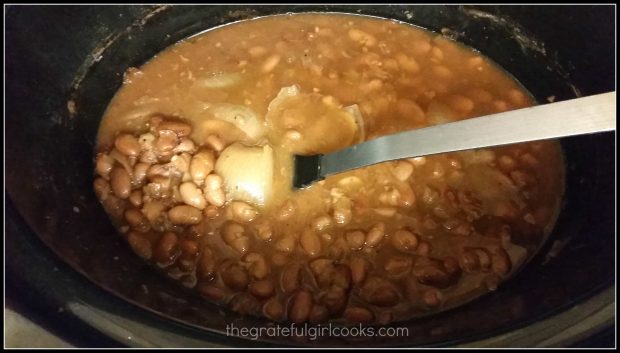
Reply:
x=158, y=184
x=163, y=195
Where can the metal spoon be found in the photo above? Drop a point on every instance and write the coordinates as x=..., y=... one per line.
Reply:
x=567, y=118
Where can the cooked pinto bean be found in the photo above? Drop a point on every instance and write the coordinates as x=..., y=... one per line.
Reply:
x=273, y=309
x=432, y=297
x=375, y=235
x=120, y=182
x=301, y=307
x=318, y=314
x=201, y=165
x=310, y=242
x=167, y=141
x=359, y=269
x=102, y=189
x=234, y=236
x=335, y=300
x=501, y=261
x=286, y=244
x=180, y=128
x=257, y=265
x=104, y=164
x=355, y=239
x=244, y=303
x=140, y=245
x=404, y=240
x=136, y=220
x=243, y=212
x=191, y=195
x=398, y=266
x=206, y=265
x=432, y=272
x=127, y=145
x=185, y=214
x=359, y=314
x=214, y=192
x=167, y=249
x=235, y=277
x=212, y=292
x=380, y=292
x=262, y=289
x=291, y=278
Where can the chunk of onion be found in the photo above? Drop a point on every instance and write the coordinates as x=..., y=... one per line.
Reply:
x=354, y=110
x=220, y=80
x=242, y=117
x=247, y=172
x=284, y=93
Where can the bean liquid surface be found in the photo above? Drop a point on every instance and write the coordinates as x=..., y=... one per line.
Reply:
x=388, y=242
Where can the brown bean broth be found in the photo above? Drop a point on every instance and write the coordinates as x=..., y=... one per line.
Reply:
x=328, y=55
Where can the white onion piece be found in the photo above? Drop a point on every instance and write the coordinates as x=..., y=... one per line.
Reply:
x=285, y=92
x=220, y=80
x=247, y=172
x=354, y=110
x=242, y=117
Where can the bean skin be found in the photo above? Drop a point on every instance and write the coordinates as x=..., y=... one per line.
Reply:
x=245, y=304
x=167, y=249
x=355, y=239
x=212, y=292
x=120, y=182
x=359, y=269
x=185, y=214
x=262, y=289
x=235, y=277
x=206, y=265
x=501, y=263
x=432, y=297
x=375, y=235
x=398, y=266
x=290, y=279
x=243, y=212
x=127, y=145
x=404, y=240
x=180, y=128
x=103, y=165
x=166, y=142
x=310, y=242
x=215, y=143
x=257, y=265
x=318, y=314
x=234, y=236
x=273, y=309
x=140, y=245
x=432, y=272
x=359, y=314
x=213, y=191
x=136, y=220
x=380, y=293
x=301, y=307
x=201, y=165
x=191, y=195
x=102, y=189
x=335, y=300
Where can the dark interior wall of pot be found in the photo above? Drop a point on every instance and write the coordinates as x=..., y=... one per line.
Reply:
x=67, y=53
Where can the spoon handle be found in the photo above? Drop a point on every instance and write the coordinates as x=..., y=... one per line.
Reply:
x=579, y=116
